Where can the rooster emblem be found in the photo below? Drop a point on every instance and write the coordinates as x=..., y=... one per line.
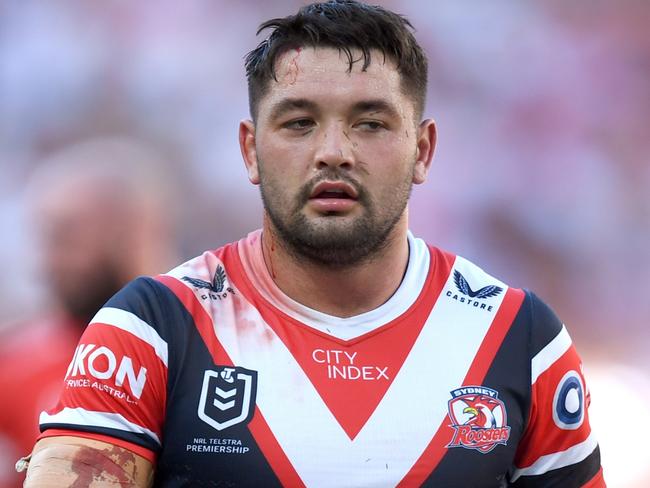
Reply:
x=465, y=289
x=218, y=281
x=478, y=418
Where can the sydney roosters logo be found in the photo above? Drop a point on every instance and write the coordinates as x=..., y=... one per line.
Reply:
x=479, y=419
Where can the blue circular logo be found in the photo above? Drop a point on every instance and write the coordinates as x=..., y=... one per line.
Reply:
x=569, y=402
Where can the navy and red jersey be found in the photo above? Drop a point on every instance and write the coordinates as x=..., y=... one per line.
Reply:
x=220, y=379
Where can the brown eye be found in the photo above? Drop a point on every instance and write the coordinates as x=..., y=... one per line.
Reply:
x=299, y=124
x=371, y=125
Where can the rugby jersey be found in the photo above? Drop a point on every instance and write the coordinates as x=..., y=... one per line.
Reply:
x=220, y=379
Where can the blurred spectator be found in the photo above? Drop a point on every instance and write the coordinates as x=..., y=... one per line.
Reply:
x=101, y=215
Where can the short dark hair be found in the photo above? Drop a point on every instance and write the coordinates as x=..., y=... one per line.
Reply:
x=345, y=25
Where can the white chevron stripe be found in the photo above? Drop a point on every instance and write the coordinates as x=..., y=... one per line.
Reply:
x=553, y=351
x=80, y=416
x=130, y=322
x=225, y=393
x=223, y=406
x=560, y=459
x=414, y=406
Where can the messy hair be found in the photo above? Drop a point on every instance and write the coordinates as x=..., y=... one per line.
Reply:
x=346, y=25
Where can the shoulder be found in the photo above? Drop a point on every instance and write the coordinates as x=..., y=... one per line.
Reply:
x=545, y=325
x=152, y=308
x=475, y=282
x=470, y=284
x=152, y=295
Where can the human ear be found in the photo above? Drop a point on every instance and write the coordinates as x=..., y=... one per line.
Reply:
x=426, y=144
x=249, y=150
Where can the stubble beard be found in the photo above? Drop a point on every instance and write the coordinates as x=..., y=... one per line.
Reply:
x=332, y=240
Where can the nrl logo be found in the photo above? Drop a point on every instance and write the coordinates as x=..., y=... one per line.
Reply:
x=216, y=289
x=227, y=397
x=479, y=418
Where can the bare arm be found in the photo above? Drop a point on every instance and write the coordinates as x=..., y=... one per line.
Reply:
x=67, y=461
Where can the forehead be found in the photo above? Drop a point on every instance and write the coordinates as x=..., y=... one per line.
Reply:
x=323, y=75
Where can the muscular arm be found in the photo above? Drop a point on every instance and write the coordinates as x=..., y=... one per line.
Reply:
x=68, y=461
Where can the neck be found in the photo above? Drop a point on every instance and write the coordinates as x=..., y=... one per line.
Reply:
x=342, y=292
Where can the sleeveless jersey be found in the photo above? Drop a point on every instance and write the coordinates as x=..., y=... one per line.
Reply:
x=220, y=379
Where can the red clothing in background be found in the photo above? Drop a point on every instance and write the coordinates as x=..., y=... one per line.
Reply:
x=34, y=357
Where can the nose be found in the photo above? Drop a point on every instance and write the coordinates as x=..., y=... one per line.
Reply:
x=334, y=149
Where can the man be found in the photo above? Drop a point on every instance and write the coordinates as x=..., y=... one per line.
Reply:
x=331, y=348
x=100, y=220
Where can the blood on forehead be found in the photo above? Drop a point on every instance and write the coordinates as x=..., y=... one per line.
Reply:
x=292, y=62
x=288, y=66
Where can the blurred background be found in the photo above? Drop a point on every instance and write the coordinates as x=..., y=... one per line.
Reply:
x=541, y=176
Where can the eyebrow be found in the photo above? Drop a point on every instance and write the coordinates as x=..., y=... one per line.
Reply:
x=289, y=104
x=375, y=105
x=363, y=106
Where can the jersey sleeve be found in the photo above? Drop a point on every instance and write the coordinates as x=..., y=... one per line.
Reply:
x=116, y=384
x=558, y=447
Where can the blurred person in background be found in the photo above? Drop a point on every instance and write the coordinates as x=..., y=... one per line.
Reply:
x=100, y=213
x=242, y=366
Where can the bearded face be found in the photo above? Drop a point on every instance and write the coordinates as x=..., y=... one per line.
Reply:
x=335, y=154
x=334, y=238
